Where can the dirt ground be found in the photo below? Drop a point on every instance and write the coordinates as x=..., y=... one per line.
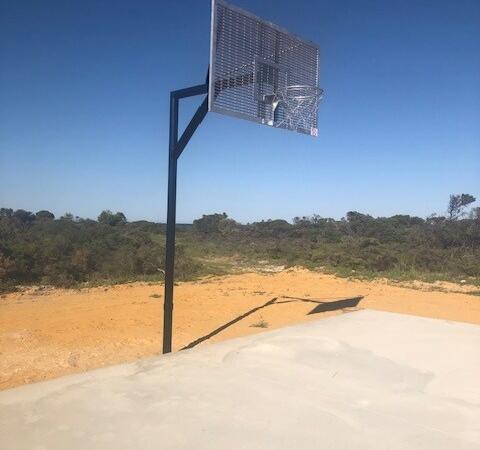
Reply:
x=46, y=333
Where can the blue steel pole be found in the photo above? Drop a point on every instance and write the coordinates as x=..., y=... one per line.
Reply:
x=175, y=148
x=171, y=218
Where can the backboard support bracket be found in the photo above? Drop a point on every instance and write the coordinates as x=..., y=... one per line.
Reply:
x=175, y=149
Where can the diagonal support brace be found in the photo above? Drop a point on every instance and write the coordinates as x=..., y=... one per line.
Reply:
x=191, y=127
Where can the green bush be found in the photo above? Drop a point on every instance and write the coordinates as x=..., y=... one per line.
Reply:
x=37, y=248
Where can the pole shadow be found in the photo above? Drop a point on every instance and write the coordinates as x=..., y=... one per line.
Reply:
x=228, y=324
x=322, y=306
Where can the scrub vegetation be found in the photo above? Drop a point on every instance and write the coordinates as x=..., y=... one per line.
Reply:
x=70, y=251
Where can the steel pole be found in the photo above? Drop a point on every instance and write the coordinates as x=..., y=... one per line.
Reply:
x=171, y=218
x=175, y=149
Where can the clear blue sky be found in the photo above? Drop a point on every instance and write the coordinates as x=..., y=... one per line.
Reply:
x=84, y=91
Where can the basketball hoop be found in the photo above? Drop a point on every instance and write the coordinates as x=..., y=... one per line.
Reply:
x=252, y=61
x=296, y=108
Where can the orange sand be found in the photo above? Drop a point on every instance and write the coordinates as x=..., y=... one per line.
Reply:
x=49, y=333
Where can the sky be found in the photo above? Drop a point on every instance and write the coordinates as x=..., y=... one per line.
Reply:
x=84, y=92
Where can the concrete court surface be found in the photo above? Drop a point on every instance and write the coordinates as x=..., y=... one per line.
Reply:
x=363, y=380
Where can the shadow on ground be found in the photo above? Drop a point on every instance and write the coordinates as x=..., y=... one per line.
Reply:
x=322, y=306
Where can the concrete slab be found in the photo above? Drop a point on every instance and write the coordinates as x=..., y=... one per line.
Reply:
x=364, y=380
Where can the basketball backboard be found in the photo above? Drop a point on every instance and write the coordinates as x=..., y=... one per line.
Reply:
x=260, y=72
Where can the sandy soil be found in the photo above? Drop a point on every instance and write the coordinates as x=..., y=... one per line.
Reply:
x=45, y=333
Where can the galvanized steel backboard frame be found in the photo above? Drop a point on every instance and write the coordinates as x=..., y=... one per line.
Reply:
x=252, y=59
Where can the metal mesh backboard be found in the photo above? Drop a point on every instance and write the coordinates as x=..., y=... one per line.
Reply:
x=253, y=66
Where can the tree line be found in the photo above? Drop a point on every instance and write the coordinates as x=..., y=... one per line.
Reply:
x=401, y=246
x=37, y=248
